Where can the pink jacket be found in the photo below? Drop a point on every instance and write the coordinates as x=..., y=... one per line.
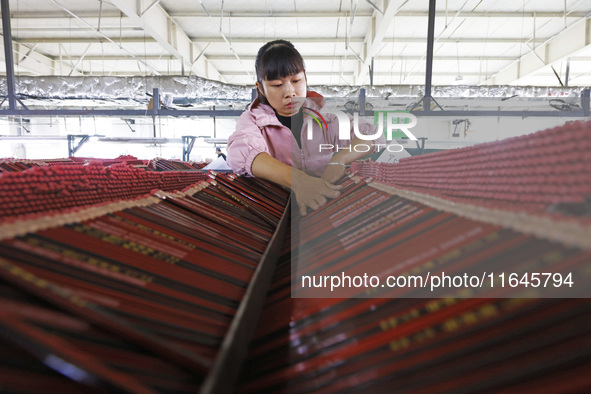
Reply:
x=258, y=130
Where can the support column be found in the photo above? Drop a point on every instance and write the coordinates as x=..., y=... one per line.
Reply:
x=430, y=44
x=7, y=34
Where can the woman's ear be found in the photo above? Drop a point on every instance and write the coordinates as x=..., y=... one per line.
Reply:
x=260, y=88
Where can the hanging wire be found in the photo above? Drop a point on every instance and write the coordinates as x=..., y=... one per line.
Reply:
x=459, y=77
x=145, y=59
x=400, y=53
x=344, y=58
x=120, y=28
x=98, y=28
x=484, y=52
x=274, y=28
x=265, y=24
x=392, y=53
x=522, y=28
x=297, y=19
x=334, y=50
x=221, y=16
x=224, y=36
x=103, y=35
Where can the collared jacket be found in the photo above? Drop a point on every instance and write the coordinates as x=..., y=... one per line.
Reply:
x=258, y=130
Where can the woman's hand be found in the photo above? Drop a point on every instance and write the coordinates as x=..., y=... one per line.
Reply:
x=334, y=172
x=311, y=192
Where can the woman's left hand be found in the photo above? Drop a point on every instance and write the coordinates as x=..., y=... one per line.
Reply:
x=333, y=173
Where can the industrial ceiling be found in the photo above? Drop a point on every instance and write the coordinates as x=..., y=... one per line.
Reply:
x=477, y=42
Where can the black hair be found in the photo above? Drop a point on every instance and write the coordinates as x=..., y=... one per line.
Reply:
x=277, y=59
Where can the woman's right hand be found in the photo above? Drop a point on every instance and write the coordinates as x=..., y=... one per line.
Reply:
x=311, y=192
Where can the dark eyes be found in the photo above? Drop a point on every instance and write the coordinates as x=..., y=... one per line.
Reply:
x=277, y=85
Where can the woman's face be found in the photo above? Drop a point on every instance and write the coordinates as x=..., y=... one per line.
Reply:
x=279, y=92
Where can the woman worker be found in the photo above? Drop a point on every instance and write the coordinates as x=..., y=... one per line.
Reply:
x=271, y=140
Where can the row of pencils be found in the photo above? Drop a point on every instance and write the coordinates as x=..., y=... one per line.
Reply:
x=137, y=298
x=401, y=339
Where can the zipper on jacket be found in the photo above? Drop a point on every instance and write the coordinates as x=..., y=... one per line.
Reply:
x=302, y=160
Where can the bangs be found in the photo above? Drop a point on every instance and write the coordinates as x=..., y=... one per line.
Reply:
x=281, y=61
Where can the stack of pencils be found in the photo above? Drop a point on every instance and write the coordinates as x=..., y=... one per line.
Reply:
x=174, y=165
x=531, y=173
x=132, y=295
x=127, y=159
x=435, y=214
x=49, y=189
x=11, y=165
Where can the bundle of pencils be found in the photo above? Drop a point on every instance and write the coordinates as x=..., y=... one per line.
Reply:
x=11, y=165
x=127, y=159
x=134, y=295
x=171, y=165
x=546, y=171
x=387, y=343
x=198, y=165
x=413, y=223
x=66, y=354
x=49, y=189
x=412, y=345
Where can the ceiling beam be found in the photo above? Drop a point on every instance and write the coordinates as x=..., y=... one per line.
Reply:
x=83, y=40
x=224, y=58
x=571, y=40
x=114, y=17
x=313, y=58
x=107, y=15
x=27, y=59
x=368, y=14
x=339, y=58
x=346, y=75
x=227, y=58
x=123, y=57
x=496, y=14
x=159, y=25
x=389, y=40
x=280, y=14
x=378, y=73
x=295, y=40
